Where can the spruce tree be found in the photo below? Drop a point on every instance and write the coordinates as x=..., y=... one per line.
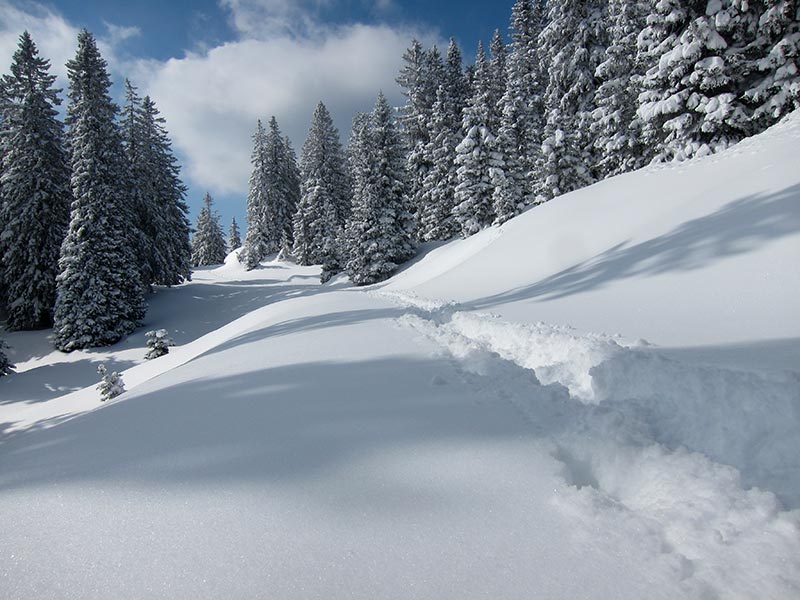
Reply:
x=693, y=101
x=6, y=368
x=521, y=123
x=274, y=194
x=99, y=292
x=324, y=186
x=775, y=89
x=161, y=210
x=421, y=74
x=379, y=230
x=477, y=157
x=35, y=182
x=234, y=236
x=435, y=220
x=571, y=45
x=255, y=243
x=615, y=126
x=208, y=243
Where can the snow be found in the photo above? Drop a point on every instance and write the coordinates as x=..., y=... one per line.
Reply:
x=464, y=430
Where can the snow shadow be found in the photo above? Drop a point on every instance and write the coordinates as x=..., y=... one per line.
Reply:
x=191, y=311
x=311, y=323
x=46, y=382
x=738, y=227
x=277, y=426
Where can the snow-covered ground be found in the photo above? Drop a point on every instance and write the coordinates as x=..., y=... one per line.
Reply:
x=465, y=430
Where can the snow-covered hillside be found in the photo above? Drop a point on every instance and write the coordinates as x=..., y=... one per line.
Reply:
x=446, y=434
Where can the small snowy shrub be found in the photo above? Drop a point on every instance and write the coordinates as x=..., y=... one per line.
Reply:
x=158, y=343
x=5, y=365
x=111, y=386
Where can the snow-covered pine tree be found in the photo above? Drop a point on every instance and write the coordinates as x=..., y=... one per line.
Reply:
x=111, y=384
x=498, y=77
x=6, y=368
x=435, y=220
x=169, y=197
x=421, y=74
x=234, y=236
x=776, y=90
x=693, y=101
x=158, y=343
x=324, y=184
x=274, y=194
x=144, y=216
x=291, y=175
x=615, y=126
x=519, y=136
x=160, y=196
x=255, y=242
x=571, y=46
x=379, y=230
x=208, y=243
x=35, y=180
x=476, y=154
x=358, y=154
x=99, y=296
x=331, y=250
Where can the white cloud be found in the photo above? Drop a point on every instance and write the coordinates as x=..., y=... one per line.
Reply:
x=284, y=64
x=54, y=37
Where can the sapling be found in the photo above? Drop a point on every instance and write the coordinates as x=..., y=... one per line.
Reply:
x=111, y=386
x=158, y=342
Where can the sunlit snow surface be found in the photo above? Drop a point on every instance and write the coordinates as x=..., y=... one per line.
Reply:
x=489, y=424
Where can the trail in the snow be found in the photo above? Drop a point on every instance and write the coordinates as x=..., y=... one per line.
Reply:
x=629, y=426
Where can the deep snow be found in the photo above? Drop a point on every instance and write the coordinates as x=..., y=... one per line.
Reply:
x=447, y=434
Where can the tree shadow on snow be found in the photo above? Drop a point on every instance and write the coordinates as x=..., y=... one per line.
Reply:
x=273, y=426
x=738, y=227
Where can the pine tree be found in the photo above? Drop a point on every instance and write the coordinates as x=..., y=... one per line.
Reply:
x=324, y=186
x=35, y=181
x=234, y=236
x=435, y=219
x=615, y=126
x=274, y=194
x=693, y=101
x=571, y=45
x=477, y=157
x=111, y=385
x=776, y=90
x=255, y=243
x=144, y=218
x=99, y=292
x=331, y=250
x=521, y=122
x=6, y=368
x=208, y=244
x=420, y=76
x=158, y=343
x=379, y=231
x=163, y=244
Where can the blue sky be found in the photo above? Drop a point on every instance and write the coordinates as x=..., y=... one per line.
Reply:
x=215, y=66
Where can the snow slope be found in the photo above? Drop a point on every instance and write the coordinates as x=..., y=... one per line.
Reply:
x=696, y=254
x=433, y=437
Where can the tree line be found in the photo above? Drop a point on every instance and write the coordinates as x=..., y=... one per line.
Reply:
x=586, y=89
